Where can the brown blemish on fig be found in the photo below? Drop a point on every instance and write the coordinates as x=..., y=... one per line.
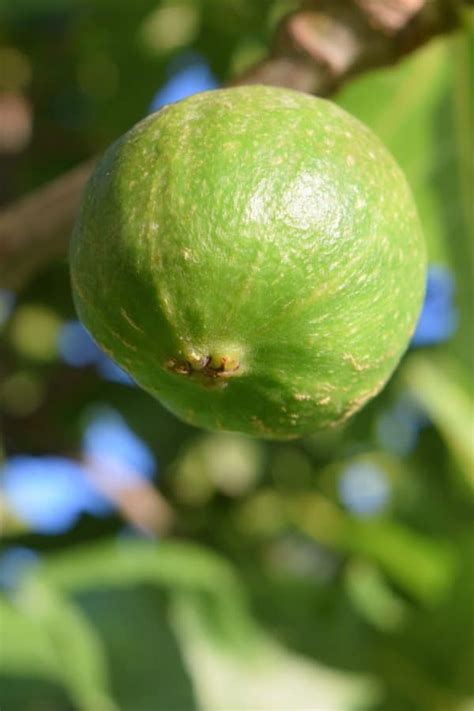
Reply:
x=356, y=404
x=130, y=321
x=357, y=365
x=324, y=400
x=206, y=368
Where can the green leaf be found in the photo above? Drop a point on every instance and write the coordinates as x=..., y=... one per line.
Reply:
x=25, y=646
x=437, y=648
x=314, y=618
x=45, y=637
x=272, y=677
x=146, y=665
x=440, y=390
x=121, y=563
x=173, y=565
x=74, y=643
x=18, y=692
x=372, y=597
x=420, y=565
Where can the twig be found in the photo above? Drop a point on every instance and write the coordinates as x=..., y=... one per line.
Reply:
x=326, y=42
x=36, y=229
x=140, y=503
x=316, y=49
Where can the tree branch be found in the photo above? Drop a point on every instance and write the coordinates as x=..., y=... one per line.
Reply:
x=36, y=229
x=320, y=46
x=315, y=50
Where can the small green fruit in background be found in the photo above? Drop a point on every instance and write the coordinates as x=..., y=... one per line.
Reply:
x=253, y=258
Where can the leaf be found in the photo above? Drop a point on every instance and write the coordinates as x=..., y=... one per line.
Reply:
x=146, y=665
x=439, y=390
x=46, y=638
x=18, y=692
x=420, y=565
x=439, y=646
x=97, y=615
x=373, y=598
x=315, y=619
x=25, y=646
x=272, y=677
x=120, y=563
x=170, y=564
x=74, y=643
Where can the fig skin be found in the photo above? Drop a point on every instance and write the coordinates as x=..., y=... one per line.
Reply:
x=253, y=258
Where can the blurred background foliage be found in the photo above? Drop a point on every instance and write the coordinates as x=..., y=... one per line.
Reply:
x=336, y=572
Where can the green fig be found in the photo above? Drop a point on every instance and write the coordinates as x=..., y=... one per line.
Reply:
x=253, y=258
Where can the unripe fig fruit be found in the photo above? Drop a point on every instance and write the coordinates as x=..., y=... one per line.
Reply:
x=253, y=258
